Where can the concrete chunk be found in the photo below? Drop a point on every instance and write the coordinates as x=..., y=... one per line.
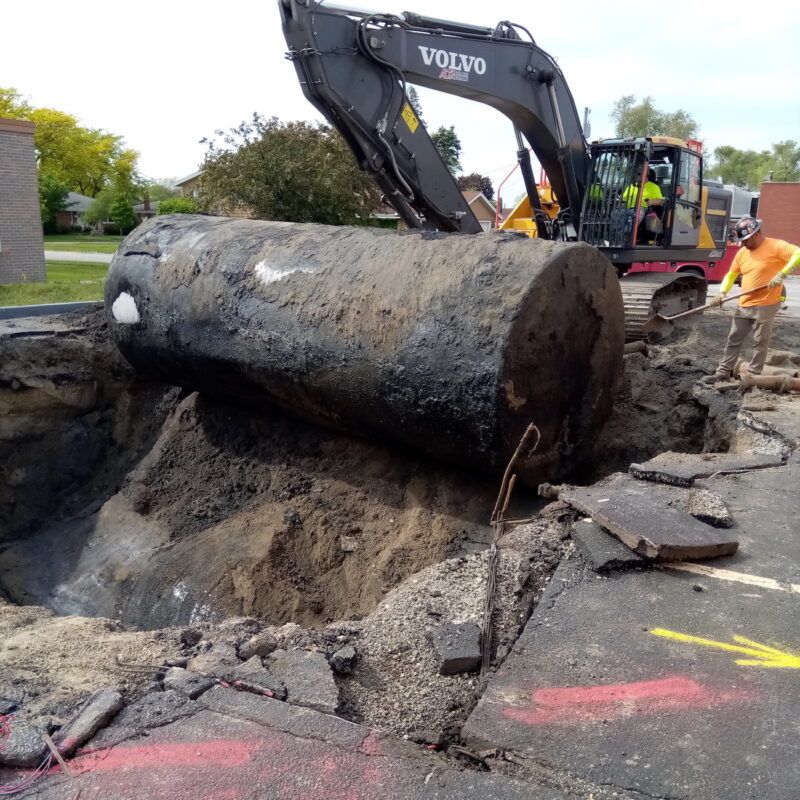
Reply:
x=262, y=644
x=709, y=507
x=307, y=677
x=155, y=709
x=457, y=647
x=255, y=677
x=681, y=469
x=23, y=746
x=601, y=549
x=648, y=525
x=285, y=717
x=188, y=683
x=220, y=658
x=344, y=660
x=96, y=715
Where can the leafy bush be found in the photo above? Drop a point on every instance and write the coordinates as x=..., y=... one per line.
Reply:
x=178, y=205
x=121, y=212
x=292, y=171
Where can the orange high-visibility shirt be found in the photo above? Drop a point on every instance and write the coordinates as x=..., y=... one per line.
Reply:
x=759, y=266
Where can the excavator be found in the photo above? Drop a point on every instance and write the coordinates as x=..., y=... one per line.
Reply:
x=354, y=67
x=441, y=338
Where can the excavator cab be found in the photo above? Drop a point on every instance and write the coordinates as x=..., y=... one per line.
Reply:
x=624, y=175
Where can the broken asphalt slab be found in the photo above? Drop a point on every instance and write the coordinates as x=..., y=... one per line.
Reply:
x=288, y=753
x=647, y=524
x=764, y=506
x=681, y=469
x=667, y=682
x=601, y=549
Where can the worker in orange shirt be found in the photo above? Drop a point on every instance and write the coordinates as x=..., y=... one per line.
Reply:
x=761, y=262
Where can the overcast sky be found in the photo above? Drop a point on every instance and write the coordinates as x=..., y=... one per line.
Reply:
x=165, y=74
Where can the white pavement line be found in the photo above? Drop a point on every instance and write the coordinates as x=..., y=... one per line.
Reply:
x=738, y=577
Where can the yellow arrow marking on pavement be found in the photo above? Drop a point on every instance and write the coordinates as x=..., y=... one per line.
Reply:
x=764, y=656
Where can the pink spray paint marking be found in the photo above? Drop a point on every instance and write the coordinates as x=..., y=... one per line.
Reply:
x=222, y=753
x=588, y=703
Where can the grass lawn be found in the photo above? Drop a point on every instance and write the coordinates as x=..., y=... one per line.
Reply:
x=82, y=243
x=67, y=282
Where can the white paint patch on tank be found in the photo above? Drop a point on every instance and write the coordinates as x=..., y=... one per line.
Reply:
x=269, y=273
x=124, y=309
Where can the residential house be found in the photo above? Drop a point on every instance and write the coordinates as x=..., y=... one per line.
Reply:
x=483, y=209
x=73, y=214
x=146, y=209
x=190, y=185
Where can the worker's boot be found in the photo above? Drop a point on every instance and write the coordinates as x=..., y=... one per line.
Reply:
x=715, y=378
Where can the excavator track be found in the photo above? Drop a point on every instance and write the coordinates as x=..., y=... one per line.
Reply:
x=646, y=294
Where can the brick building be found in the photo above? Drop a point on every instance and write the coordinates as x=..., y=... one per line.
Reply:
x=21, y=243
x=779, y=207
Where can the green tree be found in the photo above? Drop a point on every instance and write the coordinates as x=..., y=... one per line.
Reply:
x=644, y=119
x=100, y=210
x=161, y=190
x=121, y=212
x=13, y=105
x=289, y=171
x=749, y=168
x=745, y=168
x=449, y=147
x=53, y=195
x=413, y=99
x=784, y=162
x=476, y=183
x=86, y=159
x=178, y=205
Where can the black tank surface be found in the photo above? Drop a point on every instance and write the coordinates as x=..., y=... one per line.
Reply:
x=448, y=343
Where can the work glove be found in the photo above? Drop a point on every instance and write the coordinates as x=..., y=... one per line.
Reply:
x=776, y=281
x=717, y=301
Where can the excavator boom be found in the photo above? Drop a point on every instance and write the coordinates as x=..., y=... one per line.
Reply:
x=353, y=66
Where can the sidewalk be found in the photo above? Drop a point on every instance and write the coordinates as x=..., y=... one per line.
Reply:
x=68, y=255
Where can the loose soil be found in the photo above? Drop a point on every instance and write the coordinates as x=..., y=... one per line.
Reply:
x=141, y=510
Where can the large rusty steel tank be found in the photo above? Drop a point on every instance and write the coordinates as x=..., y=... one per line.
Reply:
x=447, y=343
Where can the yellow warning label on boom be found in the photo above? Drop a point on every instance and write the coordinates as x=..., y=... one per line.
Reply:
x=410, y=117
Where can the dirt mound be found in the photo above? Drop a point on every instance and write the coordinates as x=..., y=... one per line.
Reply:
x=269, y=517
x=47, y=663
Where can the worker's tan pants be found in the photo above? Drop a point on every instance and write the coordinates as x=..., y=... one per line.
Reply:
x=758, y=319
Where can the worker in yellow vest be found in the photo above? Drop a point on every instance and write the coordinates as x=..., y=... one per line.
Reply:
x=652, y=201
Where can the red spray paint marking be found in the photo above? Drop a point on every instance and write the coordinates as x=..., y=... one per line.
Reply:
x=371, y=746
x=224, y=753
x=587, y=703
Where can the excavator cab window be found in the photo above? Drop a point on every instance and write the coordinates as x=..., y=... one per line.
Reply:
x=687, y=200
x=615, y=215
x=612, y=206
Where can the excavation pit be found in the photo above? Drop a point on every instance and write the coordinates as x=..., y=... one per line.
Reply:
x=133, y=500
x=154, y=514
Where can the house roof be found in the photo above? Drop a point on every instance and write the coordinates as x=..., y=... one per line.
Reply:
x=472, y=197
x=77, y=202
x=189, y=178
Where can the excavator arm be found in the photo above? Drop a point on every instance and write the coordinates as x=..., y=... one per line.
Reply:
x=353, y=66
